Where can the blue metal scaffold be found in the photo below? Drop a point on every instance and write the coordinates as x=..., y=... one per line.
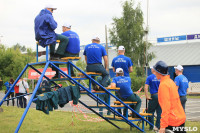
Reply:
x=100, y=103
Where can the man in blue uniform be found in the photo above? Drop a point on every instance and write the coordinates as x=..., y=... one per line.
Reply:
x=45, y=34
x=182, y=84
x=93, y=56
x=153, y=83
x=121, y=61
x=125, y=92
x=73, y=46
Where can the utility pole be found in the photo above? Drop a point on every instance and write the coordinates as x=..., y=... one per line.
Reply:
x=147, y=31
x=106, y=45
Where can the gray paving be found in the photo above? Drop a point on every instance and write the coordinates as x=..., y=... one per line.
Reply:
x=192, y=106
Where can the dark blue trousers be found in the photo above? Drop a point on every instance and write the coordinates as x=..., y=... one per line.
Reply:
x=99, y=68
x=183, y=101
x=153, y=106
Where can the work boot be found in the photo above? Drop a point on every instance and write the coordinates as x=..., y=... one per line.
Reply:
x=51, y=56
x=56, y=57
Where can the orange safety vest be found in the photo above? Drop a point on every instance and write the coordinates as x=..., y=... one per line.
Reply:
x=169, y=100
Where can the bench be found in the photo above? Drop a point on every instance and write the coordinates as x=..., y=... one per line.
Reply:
x=89, y=73
x=120, y=118
x=71, y=58
x=126, y=102
x=109, y=88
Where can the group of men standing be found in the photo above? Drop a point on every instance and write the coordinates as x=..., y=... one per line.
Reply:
x=166, y=96
x=170, y=95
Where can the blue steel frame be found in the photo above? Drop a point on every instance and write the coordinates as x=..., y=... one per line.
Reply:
x=74, y=82
x=110, y=93
x=47, y=53
x=108, y=106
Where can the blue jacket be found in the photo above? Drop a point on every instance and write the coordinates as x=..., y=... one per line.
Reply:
x=44, y=28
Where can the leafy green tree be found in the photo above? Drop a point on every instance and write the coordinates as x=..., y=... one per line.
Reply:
x=18, y=46
x=12, y=62
x=81, y=64
x=128, y=31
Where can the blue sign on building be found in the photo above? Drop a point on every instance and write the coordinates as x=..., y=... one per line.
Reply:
x=172, y=38
x=194, y=36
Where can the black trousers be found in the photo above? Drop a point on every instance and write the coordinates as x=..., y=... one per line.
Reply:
x=17, y=94
x=22, y=101
x=11, y=95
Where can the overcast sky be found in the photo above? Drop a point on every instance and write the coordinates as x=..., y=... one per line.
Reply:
x=89, y=17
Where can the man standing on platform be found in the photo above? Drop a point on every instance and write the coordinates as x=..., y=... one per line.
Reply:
x=153, y=83
x=182, y=84
x=122, y=61
x=93, y=56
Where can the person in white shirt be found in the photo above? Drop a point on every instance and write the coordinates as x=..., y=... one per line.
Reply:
x=23, y=89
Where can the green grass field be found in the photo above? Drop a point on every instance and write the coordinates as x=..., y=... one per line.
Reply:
x=59, y=122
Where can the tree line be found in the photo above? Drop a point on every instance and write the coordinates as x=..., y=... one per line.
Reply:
x=12, y=60
x=128, y=30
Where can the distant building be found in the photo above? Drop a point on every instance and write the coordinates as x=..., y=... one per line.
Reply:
x=185, y=54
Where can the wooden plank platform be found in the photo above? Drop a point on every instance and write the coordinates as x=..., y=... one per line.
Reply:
x=109, y=88
x=86, y=91
x=145, y=114
x=89, y=73
x=71, y=58
x=127, y=102
x=58, y=41
x=99, y=92
x=60, y=60
x=120, y=118
x=112, y=105
x=104, y=106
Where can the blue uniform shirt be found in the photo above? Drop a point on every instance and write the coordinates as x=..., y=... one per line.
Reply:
x=124, y=83
x=182, y=82
x=8, y=85
x=123, y=62
x=74, y=42
x=94, y=53
x=153, y=83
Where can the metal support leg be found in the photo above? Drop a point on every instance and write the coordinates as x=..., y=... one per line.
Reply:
x=68, y=69
x=90, y=85
x=31, y=99
x=36, y=52
x=47, y=53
